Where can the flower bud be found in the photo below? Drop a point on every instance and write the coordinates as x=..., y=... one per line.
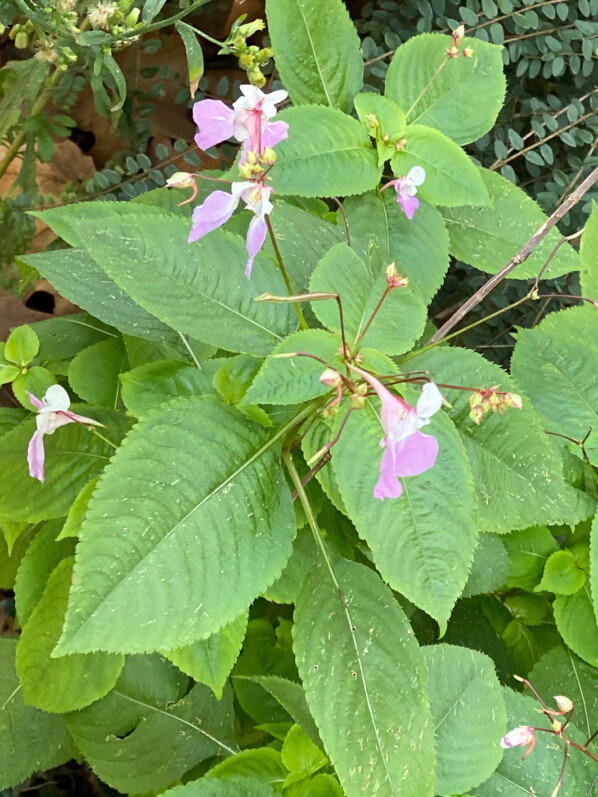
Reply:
x=564, y=703
x=249, y=28
x=132, y=18
x=458, y=35
x=395, y=280
x=400, y=145
x=452, y=52
x=246, y=171
x=358, y=402
x=264, y=55
x=21, y=40
x=330, y=377
x=269, y=156
x=246, y=61
x=467, y=52
x=476, y=414
x=181, y=180
x=519, y=737
x=256, y=77
x=513, y=400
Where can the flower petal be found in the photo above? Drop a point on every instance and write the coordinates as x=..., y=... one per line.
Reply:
x=215, y=210
x=36, y=456
x=409, y=204
x=215, y=122
x=256, y=235
x=72, y=416
x=274, y=133
x=414, y=454
x=387, y=485
x=430, y=401
x=56, y=398
x=37, y=403
x=417, y=175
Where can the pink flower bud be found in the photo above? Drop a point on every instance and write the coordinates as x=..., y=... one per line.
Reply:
x=467, y=52
x=395, y=280
x=519, y=737
x=564, y=703
x=458, y=35
x=452, y=52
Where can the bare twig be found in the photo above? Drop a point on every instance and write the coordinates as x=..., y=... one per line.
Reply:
x=522, y=255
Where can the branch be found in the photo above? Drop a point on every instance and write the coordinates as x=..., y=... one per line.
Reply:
x=522, y=255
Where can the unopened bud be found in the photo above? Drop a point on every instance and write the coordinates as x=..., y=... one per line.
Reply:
x=132, y=18
x=256, y=77
x=556, y=725
x=513, y=400
x=21, y=40
x=181, y=180
x=238, y=43
x=564, y=703
x=400, y=145
x=269, y=156
x=246, y=171
x=358, y=402
x=251, y=158
x=395, y=280
x=331, y=378
x=476, y=414
x=452, y=52
x=372, y=120
x=467, y=52
x=246, y=61
x=264, y=55
x=249, y=28
x=458, y=35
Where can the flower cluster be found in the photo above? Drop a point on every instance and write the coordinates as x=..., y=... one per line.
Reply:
x=490, y=400
x=453, y=50
x=249, y=121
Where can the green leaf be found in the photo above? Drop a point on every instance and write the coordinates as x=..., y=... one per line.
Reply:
x=380, y=116
x=117, y=76
x=199, y=289
x=423, y=542
x=354, y=647
x=210, y=660
x=286, y=588
x=469, y=716
x=560, y=672
x=588, y=254
x=291, y=697
x=516, y=469
x=68, y=683
x=94, y=372
x=401, y=318
x=263, y=764
x=448, y=100
x=8, y=373
x=9, y=418
x=541, y=769
x=9, y=563
x=300, y=754
x=22, y=345
x=29, y=739
x=43, y=555
x=76, y=514
x=35, y=380
x=233, y=787
x=451, y=177
x=489, y=237
x=203, y=548
x=555, y=364
x=561, y=575
x=194, y=53
x=148, y=386
x=291, y=380
x=321, y=785
x=151, y=9
x=317, y=51
x=74, y=455
x=490, y=568
x=303, y=239
x=327, y=153
x=576, y=623
x=528, y=551
x=79, y=278
x=144, y=734
x=12, y=530
x=419, y=247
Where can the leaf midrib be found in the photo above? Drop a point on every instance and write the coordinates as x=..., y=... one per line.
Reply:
x=313, y=48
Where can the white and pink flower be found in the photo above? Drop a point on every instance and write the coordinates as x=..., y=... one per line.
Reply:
x=406, y=188
x=53, y=412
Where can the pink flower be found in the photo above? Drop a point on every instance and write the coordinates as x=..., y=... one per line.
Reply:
x=407, y=452
x=519, y=737
x=248, y=121
x=218, y=207
x=53, y=411
x=406, y=188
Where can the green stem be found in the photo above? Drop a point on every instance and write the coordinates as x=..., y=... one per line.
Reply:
x=458, y=332
x=101, y=436
x=164, y=23
x=38, y=107
x=285, y=276
x=190, y=350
